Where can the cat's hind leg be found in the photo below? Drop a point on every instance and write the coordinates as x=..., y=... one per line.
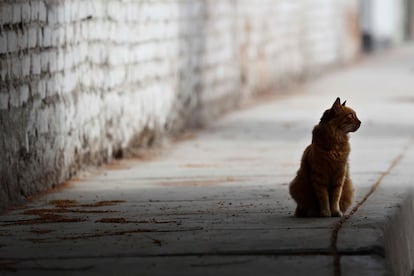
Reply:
x=302, y=192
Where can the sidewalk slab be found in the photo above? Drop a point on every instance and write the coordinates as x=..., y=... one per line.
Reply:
x=218, y=203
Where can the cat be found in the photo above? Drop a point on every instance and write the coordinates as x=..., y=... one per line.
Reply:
x=322, y=186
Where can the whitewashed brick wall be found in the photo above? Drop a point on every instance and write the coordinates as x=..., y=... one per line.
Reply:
x=81, y=80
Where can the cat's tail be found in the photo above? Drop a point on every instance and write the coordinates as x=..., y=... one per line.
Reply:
x=301, y=212
x=347, y=194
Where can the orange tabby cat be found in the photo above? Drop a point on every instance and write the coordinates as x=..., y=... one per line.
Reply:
x=322, y=186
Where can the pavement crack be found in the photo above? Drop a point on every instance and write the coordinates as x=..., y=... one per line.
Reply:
x=338, y=225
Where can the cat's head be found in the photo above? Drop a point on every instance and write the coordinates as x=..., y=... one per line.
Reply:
x=341, y=117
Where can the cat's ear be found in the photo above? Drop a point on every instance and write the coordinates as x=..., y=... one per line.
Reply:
x=336, y=105
x=330, y=113
x=343, y=104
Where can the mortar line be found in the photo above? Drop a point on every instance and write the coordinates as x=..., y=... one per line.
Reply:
x=338, y=225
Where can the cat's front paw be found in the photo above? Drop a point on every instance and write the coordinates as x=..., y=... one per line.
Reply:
x=337, y=213
x=325, y=213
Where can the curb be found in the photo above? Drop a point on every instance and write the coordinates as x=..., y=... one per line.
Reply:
x=399, y=237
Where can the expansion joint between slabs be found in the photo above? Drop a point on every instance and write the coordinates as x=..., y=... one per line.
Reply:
x=338, y=225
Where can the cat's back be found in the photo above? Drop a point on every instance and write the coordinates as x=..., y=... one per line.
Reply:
x=329, y=145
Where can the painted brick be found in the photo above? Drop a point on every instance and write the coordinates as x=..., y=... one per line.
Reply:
x=67, y=60
x=52, y=62
x=11, y=41
x=35, y=64
x=41, y=89
x=60, y=11
x=4, y=69
x=50, y=87
x=22, y=39
x=25, y=66
x=58, y=78
x=32, y=37
x=6, y=13
x=44, y=61
x=39, y=37
x=74, y=10
x=47, y=36
x=69, y=83
x=64, y=13
x=23, y=94
x=69, y=33
x=16, y=67
x=3, y=42
x=60, y=61
x=42, y=12
x=26, y=12
x=34, y=10
x=4, y=101
x=17, y=13
x=14, y=97
x=52, y=14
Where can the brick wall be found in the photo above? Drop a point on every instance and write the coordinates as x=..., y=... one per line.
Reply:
x=82, y=80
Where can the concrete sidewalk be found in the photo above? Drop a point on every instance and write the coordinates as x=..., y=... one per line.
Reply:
x=218, y=203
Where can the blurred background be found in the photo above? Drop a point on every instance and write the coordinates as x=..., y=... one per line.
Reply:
x=83, y=82
x=385, y=23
